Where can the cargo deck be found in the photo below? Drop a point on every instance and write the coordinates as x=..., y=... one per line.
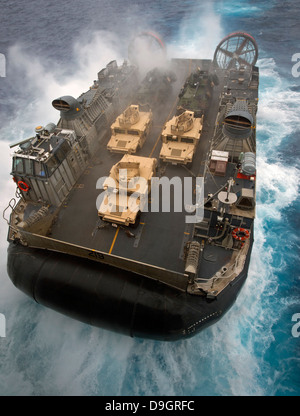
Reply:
x=158, y=233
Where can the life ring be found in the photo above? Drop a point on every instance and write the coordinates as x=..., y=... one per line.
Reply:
x=240, y=234
x=23, y=186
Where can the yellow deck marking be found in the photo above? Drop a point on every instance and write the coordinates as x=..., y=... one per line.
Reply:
x=114, y=240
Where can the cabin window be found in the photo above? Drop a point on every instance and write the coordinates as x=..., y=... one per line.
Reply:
x=28, y=164
x=59, y=154
x=58, y=157
x=120, y=131
x=65, y=147
x=62, y=151
x=187, y=140
x=172, y=138
x=28, y=167
x=52, y=164
x=18, y=165
x=39, y=169
x=134, y=132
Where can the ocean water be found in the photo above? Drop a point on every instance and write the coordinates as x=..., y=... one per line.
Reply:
x=57, y=48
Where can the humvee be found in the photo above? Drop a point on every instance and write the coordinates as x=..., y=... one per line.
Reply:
x=130, y=130
x=180, y=138
x=127, y=190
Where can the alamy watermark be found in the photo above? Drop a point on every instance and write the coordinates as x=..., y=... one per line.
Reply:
x=296, y=327
x=2, y=326
x=296, y=67
x=2, y=66
x=184, y=191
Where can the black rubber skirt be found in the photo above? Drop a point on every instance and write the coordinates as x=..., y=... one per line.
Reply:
x=114, y=299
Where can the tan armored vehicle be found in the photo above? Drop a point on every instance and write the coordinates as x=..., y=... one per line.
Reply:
x=180, y=137
x=130, y=130
x=127, y=190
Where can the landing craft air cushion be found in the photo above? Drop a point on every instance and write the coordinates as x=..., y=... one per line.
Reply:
x=167, y=278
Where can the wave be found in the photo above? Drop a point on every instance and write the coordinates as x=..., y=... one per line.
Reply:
x=278, y=112
x=241, y=8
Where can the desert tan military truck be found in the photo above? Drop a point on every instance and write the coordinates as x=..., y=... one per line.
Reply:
x=127, y=190
x=130, y=130
x=180, y=138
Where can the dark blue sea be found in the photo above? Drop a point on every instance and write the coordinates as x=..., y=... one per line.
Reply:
x=55, y=48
